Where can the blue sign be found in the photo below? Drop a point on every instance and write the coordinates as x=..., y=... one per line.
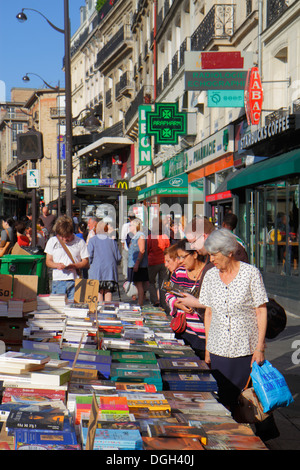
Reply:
x=225, y=98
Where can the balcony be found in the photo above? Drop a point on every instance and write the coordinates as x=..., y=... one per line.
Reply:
x=57, y=113
x=108, y=98
x=116, y=46
x=275, y=9
x=125, y=86
x=219, y=23
x=144, y=96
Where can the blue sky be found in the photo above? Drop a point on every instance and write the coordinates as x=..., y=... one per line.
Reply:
x=33, y=46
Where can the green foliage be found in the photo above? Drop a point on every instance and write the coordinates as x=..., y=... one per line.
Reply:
x=100, y=4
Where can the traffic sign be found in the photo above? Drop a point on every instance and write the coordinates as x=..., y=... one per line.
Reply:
x=33, y=178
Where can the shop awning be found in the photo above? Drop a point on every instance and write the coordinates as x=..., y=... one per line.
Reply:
x=270, y=169
x=104, y=145
x=178, y=185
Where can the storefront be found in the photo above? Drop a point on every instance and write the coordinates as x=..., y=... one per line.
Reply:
x=210, y=164
x=268, y=202
x=168, y=197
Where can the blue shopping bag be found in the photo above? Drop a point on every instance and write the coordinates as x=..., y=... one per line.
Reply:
x=270, y=386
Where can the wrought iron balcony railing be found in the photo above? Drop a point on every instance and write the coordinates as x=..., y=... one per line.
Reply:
x=219, y=23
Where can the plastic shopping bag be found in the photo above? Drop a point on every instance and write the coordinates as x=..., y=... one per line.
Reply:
x=270, y=386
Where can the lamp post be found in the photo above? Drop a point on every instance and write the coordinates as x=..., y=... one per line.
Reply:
x=66, y=31
x=27, y=79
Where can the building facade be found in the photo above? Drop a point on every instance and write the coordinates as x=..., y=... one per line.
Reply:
x=145, y=51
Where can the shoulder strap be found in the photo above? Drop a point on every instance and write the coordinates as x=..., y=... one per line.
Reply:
x=66, y=250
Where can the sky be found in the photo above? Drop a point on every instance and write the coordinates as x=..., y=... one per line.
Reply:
x=33, y=46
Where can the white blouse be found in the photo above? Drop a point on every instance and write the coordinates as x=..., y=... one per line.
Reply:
x=233, y=330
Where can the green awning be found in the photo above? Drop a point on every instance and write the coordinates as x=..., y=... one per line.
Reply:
x=270, y=169
x=178, y=185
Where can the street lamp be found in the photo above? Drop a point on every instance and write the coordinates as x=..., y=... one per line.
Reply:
x=66, y=31
x=27, y=79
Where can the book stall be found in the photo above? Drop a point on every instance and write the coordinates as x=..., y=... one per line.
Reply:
x=110, y=376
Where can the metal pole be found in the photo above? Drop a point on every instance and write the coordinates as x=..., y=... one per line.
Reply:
x=34, y=211
x=69, y=168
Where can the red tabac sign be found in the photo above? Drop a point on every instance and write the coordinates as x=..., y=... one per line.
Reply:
x=253, y=96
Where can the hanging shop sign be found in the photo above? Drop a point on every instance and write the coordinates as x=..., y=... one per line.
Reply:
x=145, y=149
x=274, y=128
x=95, y=182
x=166, y=123
x=225, y=99
x=215, y=71
x=253, y=96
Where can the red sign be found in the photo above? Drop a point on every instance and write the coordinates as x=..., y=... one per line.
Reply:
x=219, y=196
x=253, y=96
x=222, y=60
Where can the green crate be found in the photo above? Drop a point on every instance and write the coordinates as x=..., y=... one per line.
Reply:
x=26, y=265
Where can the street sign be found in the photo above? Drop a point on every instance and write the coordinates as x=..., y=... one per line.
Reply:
x=166, y=123
x=225, y=99
x=33, y=178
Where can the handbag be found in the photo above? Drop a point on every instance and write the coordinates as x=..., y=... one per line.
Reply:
x=78, y=271
x=249, y=409
x=178, y=323
x=270, y=386
x=130, y=289
x=276, y=319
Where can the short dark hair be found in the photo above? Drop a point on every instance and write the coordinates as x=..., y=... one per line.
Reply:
x=230, y=220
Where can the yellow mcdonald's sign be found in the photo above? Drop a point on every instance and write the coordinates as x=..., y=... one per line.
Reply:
x=138, y=188
x=122, y=185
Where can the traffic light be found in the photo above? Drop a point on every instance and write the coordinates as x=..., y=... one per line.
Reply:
x=40, y=195
x=30, y=145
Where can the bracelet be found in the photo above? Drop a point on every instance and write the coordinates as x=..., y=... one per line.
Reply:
x=260, y=350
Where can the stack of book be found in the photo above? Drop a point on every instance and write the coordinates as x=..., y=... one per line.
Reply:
x=94, y=363
x=15, y=308
x=51, y=302
x=3, y=308
x=37, y=419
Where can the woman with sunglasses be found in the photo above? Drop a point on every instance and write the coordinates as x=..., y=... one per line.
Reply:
x=188, y=278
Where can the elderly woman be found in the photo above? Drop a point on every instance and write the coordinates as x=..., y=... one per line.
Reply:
x=137, y=258
x=104, y=257
x=235, y=316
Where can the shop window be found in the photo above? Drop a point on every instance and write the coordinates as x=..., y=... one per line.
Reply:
x=278, y=228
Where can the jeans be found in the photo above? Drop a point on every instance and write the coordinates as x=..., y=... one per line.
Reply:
x=64, y=287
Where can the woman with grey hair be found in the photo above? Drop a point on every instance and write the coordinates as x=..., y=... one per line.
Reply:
x=235, y=316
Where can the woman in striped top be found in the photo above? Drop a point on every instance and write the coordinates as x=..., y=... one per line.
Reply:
x=188, y=277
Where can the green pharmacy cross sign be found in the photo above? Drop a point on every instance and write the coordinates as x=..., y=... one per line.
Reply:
x=166, y=123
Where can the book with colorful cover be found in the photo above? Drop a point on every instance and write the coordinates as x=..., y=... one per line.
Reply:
x=193, y=381
x=44, y=419
x=128, y=439
x=89, y=357
x=18, y=357
x=177, y=430
x=171, y=443
x=133, y=357
x=183, y=364
x=136, y=387
x=13, y=394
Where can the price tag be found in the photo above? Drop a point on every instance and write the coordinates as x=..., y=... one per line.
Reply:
x=86, y=291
